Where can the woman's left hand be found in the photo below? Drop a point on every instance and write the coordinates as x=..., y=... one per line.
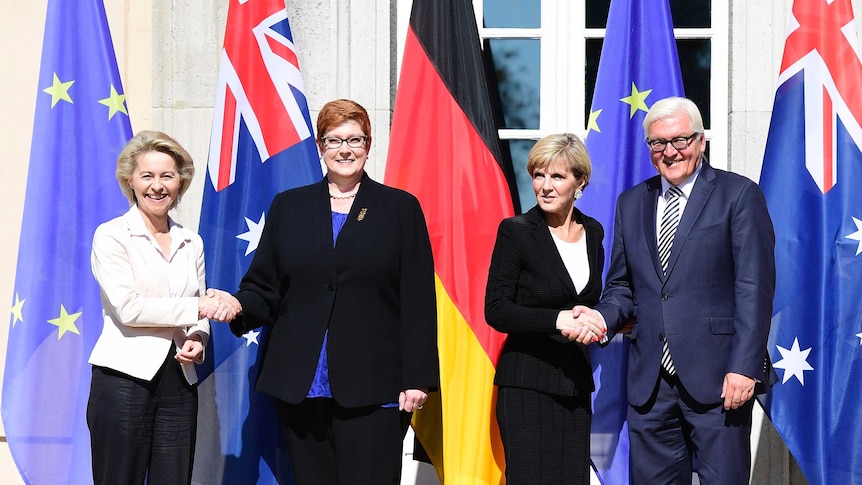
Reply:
x=412, y=399
x=190, y=352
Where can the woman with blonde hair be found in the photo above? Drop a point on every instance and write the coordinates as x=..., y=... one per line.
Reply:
x=544, y=263
x=142, y=409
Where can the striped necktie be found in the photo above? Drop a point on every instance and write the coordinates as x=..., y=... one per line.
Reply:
x=669, y=223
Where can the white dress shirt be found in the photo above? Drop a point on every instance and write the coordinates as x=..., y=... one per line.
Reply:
x=149, y=298
x=685, y=187
x=574, y=256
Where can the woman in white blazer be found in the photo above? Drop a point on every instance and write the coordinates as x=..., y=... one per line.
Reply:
x=142, y=410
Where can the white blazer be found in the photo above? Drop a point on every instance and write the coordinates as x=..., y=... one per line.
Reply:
x=149, y=299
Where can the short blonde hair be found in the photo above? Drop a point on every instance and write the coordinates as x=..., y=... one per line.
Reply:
x=563, y=147
x=153, y=141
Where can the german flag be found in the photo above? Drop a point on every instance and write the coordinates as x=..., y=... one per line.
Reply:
x=444, y=149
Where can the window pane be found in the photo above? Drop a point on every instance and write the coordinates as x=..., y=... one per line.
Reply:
x=594, y=51
x=525, y=14
x=685, y=13
x=519, y=150
x=694, y=61
x=597, y=13
x=690, y=13
x=516, y=72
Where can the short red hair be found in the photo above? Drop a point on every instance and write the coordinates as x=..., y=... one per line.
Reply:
x=335, y=113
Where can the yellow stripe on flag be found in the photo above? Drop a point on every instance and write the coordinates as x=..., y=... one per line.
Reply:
x=471, y=440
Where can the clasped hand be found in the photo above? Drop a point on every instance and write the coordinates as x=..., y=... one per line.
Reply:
x=218, y=305
x=191, y=352
x=581, y=325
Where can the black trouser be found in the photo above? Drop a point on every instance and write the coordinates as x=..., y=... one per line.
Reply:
x=330, y=444
x=142, y=430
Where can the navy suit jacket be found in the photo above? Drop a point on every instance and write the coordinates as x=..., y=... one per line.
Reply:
x=528, y=286
x=374, y=291
x=714, y=305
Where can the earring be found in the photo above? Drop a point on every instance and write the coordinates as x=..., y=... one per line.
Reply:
x=578, y=194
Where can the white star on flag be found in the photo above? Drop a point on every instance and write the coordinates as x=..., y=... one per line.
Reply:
x=255, y=229
x=857, y=235
x=251, y=337
x=794, y=362
x=860, y=338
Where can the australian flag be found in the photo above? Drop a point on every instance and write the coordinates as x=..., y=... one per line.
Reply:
x=262, y=143
x=81, y=124
x=638, y=66
x=812, y=173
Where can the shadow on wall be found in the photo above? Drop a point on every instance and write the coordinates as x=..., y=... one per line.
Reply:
x=771, y=451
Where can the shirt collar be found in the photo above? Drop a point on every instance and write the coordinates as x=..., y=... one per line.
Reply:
x=137, y=227
x=686, y=186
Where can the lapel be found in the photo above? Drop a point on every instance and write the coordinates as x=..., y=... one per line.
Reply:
x=594, y=245
x=323, y=217
x=650, y=205
x=703, y=187
x=545, y=243
x=320, y=229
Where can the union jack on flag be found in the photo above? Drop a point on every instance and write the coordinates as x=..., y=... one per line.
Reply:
x=822, y=45
x=261, y=144
x=812, y=171
x=259, y=81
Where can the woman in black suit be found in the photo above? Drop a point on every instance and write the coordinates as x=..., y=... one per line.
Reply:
x=544, y=263
x=343, y=274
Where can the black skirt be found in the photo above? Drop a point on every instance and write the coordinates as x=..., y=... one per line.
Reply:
x=546, y=438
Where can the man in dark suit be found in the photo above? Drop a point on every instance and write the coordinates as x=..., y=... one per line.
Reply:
x=692, y=264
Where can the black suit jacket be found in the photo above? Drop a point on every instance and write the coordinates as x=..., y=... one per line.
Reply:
x=374, y=291
x=528, y=285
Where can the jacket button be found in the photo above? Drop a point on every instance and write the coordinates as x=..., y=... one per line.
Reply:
x=665, y=297
x=661, y=337
x=331, y=287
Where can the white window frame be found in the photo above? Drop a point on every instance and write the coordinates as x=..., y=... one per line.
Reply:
x=562, y=78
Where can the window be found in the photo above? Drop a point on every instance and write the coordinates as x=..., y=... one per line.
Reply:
x=546, y=54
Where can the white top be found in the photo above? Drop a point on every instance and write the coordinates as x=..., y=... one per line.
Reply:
x=574, y=256
x=149, y=298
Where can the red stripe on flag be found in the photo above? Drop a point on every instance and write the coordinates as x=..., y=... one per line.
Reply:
x=461, y=186
x=828, y=140
x=283, y=51
x=228, y=135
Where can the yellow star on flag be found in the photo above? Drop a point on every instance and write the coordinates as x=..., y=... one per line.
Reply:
x=59, y=90
x=115, y=102
x=593, y=122
x=637, y=100
x=16, y=311
x=65, y=322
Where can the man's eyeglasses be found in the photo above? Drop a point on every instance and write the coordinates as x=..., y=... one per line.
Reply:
x=679, y=143
x=332, y=142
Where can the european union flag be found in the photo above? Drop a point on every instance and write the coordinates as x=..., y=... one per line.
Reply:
x=812, y=171
x=80, y=127
x=262, y=143
x=638, y=66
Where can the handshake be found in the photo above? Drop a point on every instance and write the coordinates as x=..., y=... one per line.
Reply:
x=582, y=324
x=218, y=305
